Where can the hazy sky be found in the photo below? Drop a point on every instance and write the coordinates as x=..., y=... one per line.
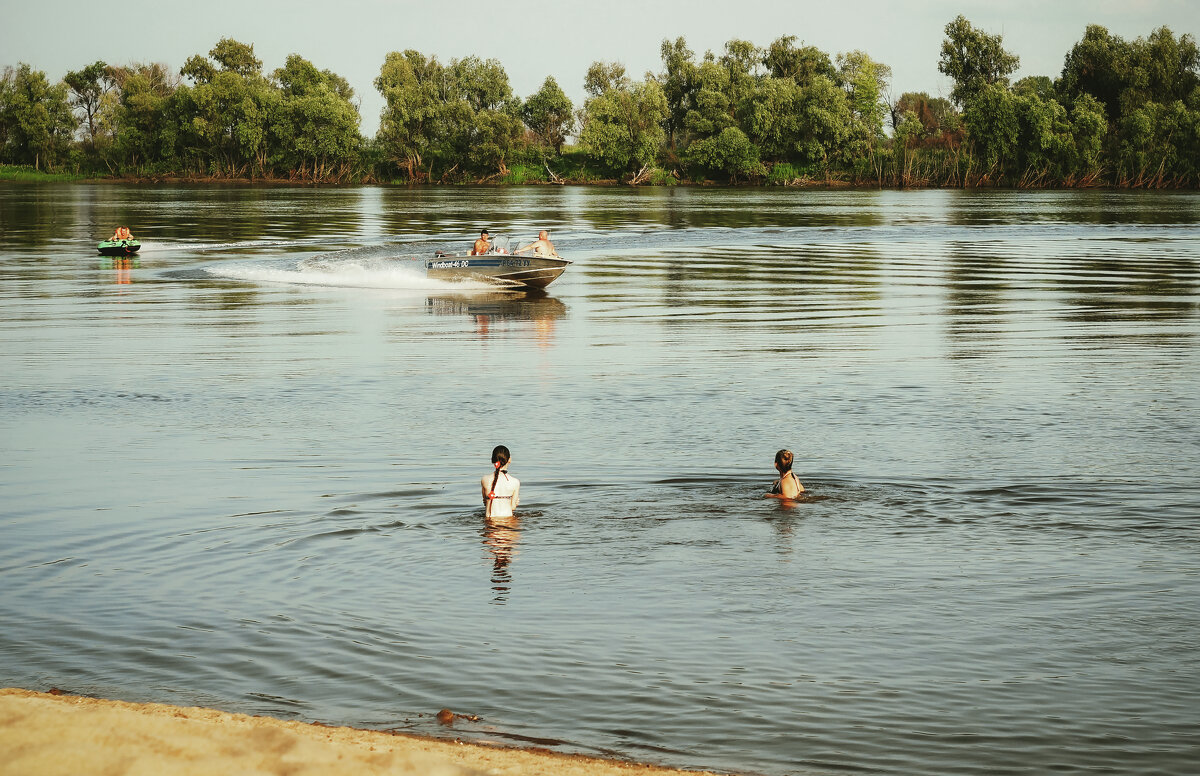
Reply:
x=536, y=38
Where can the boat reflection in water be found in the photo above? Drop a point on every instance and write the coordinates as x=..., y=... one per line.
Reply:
x=122, y=265
x=489, y=310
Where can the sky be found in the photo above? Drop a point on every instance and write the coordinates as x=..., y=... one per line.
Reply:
x=536, y=38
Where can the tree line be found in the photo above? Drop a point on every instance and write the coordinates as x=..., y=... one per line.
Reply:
x=1121, y=112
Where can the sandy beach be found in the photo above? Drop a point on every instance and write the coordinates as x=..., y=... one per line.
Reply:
x=47, y=734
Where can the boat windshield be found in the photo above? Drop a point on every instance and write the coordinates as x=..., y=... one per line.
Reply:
x=502, y=245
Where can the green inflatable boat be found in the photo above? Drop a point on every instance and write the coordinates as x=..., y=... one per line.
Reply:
x=119, y=247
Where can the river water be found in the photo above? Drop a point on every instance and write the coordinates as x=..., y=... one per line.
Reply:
x=242, y=471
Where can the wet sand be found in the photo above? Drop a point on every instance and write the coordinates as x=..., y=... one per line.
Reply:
x=48, y=735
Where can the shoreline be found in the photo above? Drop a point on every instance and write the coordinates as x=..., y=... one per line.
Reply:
x=801, y=185
x=831, y=183
x=52, y=733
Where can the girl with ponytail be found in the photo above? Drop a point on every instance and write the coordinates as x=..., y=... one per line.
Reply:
x=788, y=486
x=500, y=490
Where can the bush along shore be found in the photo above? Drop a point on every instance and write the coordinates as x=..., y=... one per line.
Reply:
x=1121, y=113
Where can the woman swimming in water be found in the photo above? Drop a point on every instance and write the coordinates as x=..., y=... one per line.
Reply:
x=788, y=486
x=501, y=491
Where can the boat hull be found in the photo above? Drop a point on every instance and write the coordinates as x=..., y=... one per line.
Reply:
x=516, y=272
x=118, y=247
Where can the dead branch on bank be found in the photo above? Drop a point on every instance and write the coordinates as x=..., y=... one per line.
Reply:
x=641, y=176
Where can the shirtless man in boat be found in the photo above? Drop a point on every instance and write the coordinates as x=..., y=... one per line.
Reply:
x=482, y=245
x=541, y=246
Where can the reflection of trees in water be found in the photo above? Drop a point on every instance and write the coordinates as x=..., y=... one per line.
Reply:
x=233, y=213
x=436, y=212
x=1110, y=282
x=693, y=208
x=210, y=295
x=790, y=290
x=34, y=214
x=1130, y=288
x=184, y=213
x=500, y=536
x=457, y=213
x=976, y=285
x=981, y=207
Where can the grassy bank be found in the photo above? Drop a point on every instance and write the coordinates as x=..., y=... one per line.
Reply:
x=25, y=173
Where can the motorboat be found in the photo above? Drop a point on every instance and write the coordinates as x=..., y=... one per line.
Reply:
x=119, y=247
x=499, y=266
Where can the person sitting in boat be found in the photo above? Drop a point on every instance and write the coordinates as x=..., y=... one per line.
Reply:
x=541, y=246
x=788, y=486
x=481, y=245
x=122, y=233
x=501, y=494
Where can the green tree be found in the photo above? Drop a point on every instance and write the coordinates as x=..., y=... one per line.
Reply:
x=315, y=128
x=784, y=60
x=774, y=120
x=300, y=78
x=459, y=116
x=603, y=76
x=935, y=116
x=411, y=85
x=483, y=117
x=1089, y=126
x=623, y=125
x=87, y=88
x=36, y=121
x=199, y=69
x=493, y=136
x=1159, y=145
x=1038, y=85
x=1125, y=75
x=678, y=82
x=549, y=114
x=1045, y=143
x=226, y=118
x=483, y=84
x=809, y=125
x=994, y=127
x=730, y=152
x=974, y=60
x=711, y=110
x=741, y=61
x=865, y=82
x=139, y=119
x=825, y=123
x=236, y=57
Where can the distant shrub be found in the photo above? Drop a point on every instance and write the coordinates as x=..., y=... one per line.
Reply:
x=782, y=173
x=519, y=174
x=661, y=177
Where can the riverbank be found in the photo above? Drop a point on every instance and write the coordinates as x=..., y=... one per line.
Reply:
x=520, y=178
x=51, y=734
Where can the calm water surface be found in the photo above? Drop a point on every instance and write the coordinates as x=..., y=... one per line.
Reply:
x=242, y=471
